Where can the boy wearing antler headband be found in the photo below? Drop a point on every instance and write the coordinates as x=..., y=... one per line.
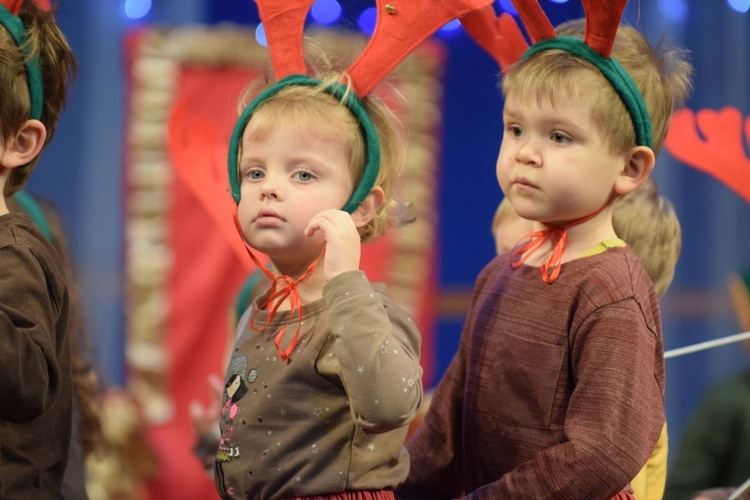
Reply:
x=35, y=359
x=325, y=372
x=557, y=390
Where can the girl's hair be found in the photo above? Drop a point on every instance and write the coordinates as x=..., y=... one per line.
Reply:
x=241, y=390
x=662, y=74
x=58, y=64
x=313, y=108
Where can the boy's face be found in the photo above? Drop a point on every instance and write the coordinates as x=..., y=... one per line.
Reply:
x=286, y=178
x=554, y=165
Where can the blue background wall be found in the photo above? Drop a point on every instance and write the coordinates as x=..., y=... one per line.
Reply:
x=82, y=172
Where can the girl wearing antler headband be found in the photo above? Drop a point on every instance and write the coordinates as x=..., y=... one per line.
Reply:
x=331, y=364
x=557, y=390
x=35, y=360
x=334, y=362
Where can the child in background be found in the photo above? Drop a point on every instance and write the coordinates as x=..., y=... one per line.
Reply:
x=35, y=360
x=324, y=377
x=557, y=389
x=647, y=222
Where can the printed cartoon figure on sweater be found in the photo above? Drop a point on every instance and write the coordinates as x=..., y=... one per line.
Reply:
x=235, y=389
x=314, y=167
x=557, y=388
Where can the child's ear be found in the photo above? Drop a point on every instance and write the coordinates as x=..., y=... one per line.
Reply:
x=25, y=145
x=640, y=162
x=367, y=210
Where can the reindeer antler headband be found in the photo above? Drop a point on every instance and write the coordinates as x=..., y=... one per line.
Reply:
x=9, y=18
x=401, y=26
x=502, y=38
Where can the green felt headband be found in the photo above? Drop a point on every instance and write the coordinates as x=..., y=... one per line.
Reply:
x=612, y=71
x=349, y=99
x=18, y=31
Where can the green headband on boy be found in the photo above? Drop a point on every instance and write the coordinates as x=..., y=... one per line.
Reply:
x=349, y=99
x=18, y=31
x=612, y=71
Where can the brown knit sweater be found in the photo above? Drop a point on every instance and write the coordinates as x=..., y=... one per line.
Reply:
x=556, y=390
x=334, y=416
x=35, y=367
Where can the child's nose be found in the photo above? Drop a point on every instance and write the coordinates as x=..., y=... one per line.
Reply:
x=528, y=152
x=271, y=187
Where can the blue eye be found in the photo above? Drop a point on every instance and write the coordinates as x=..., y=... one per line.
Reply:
x=304, y=175
x=256, y=174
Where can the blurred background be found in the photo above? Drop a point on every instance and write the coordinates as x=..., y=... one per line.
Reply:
x=83, y=172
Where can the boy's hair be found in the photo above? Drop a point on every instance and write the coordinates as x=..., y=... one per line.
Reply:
x=662, y=74
x=311, y=107
x=647, y=222
x=46, y=41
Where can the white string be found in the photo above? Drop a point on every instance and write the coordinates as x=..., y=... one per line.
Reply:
x=739, y=491
x=702, y=346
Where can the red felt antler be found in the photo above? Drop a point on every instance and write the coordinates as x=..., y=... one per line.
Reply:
x=500, y=36
x=602, y=19
x=284, y=23
x=536, y=22
x=401, y=26
x=14, y=6
x=712, y=142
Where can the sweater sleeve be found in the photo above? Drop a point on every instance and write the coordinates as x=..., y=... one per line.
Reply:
x=377, y=346
x=435, y=449
x=29, y=372
x=613, y=420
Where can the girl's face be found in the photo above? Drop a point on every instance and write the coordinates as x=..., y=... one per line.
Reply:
x=286, y=178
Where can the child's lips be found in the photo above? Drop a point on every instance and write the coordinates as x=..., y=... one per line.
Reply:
x=266, y=215
x=524, y=183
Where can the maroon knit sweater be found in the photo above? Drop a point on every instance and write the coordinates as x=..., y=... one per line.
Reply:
x=557, y=390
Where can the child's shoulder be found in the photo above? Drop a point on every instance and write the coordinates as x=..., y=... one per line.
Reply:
x=18, y=229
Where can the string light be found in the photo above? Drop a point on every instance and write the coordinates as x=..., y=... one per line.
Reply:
x=136, y=9
x=325, y=11
x=741, y=6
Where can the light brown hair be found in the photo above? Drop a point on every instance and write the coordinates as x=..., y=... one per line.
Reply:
x=647, y=222
x=662, y=74
x=58, y=64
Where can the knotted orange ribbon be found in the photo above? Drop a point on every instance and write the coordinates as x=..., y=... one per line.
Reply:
x=551, y=267
x=282, y=287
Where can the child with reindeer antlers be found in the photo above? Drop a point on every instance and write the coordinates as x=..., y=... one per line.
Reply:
x=35, y=378
x=325, y=375
x=557, y=389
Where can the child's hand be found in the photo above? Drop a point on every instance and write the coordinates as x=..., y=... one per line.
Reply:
x=205, y=419
x=342, y=241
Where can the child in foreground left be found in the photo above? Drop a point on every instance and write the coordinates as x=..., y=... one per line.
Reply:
x=324, y=376
x=35, y=359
